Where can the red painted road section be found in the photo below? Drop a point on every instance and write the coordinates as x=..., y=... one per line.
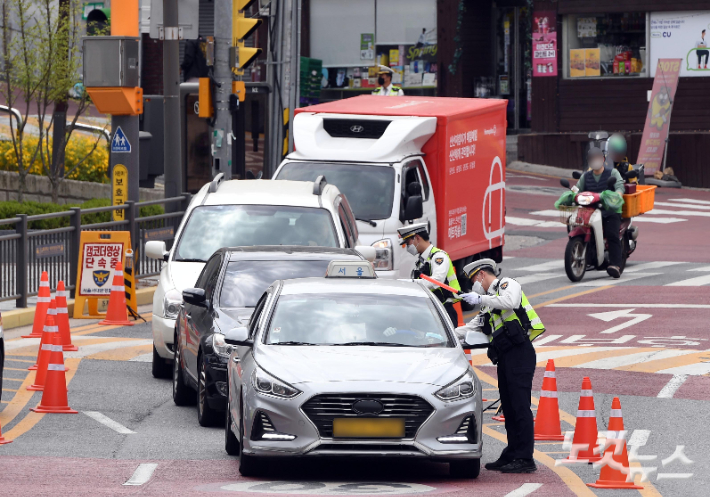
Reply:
x=94, y=477
x=699, y=295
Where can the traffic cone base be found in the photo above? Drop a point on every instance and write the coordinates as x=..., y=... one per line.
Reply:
x=116, y=314
x=43, y=299
x=551, y=438
x=500, y=418
x=547, y=419
x=54, y=410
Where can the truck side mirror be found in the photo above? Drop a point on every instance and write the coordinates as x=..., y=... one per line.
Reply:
x=414, y=209
x=576, y=174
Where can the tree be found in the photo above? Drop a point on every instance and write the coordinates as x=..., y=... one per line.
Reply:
x=42, y=62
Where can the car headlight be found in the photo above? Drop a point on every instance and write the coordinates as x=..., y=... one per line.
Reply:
x=171, y=304
x=266, y=384
x=463, y=388
x=384, y=260
x=220, y=346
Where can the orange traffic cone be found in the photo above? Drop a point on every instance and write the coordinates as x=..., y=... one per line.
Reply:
x=51, y=311
x=117, y=313
x=617, y=476
x=54, y=396
x=2, y=439
x=585, y=429
x=459, y=313
x=43, y=298
x=45, y=350
x=547, y=421
x=63, y=319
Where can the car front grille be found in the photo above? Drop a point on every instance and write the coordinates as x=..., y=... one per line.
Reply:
x=322, y=409
x=355, y=128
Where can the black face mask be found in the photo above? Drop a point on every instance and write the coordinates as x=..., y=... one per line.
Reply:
x=381, y=81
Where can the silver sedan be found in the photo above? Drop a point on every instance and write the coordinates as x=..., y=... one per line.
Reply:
x=351, y=367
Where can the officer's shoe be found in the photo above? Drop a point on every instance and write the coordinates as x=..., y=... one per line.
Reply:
x=519, y=466
x=495, y=466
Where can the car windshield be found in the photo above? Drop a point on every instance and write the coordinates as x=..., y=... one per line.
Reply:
x=356, y=319
x=246, y=281
x=369, y=189
x=215, y=226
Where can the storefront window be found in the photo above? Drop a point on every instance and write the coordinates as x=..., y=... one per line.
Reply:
x=605, y=45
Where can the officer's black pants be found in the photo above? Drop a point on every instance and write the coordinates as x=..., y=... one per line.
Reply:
x=515, y=374
x=452, y=314
x=611, y=224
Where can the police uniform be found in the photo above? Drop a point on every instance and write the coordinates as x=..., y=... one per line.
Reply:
x=436, y=264
x=388, y=91
x=510, y=323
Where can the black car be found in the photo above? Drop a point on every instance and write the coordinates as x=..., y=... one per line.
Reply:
x=226, y=293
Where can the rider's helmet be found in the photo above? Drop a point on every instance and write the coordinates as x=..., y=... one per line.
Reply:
x=616, y=147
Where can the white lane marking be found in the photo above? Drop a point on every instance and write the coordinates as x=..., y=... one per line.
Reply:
x=506, y=257
x=649, y=265
x=700, y=269
x=143, y=358
x=523, y=221
x=545, y=266
x=547, y=213
x=606, y=280
x=631, y=359
x=697, y=369
x=535, y=278
x=672, y=386
x=88, y=350
x=639, y=438
x=514, y=175
x=682, y=206
x=640, y=306
x=623, y=313
x=524, y=489
x=665, y=212
x=142, y=474
x=557, y=354
x=699, y=281
x=690, y=201
x=545, y=339
x=642, y=219
x=106, y=421
x=658, y=220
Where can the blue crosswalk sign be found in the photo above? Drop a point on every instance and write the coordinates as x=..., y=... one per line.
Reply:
x=120, y=143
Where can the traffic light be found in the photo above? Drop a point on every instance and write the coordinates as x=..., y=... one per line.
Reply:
x=242, y=28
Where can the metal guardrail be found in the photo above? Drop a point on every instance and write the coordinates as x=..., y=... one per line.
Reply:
x=80, y=126
x=25, y=252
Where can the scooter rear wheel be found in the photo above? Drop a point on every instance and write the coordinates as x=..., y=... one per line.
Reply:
x=576, y=258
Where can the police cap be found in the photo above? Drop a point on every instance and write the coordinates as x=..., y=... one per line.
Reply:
x=471, y=269
x=384, y=70
x=410, y=230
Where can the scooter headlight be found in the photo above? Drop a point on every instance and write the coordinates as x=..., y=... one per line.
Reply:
x=585, y=199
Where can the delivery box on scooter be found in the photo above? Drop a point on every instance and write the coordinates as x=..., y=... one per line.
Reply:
x=461, y=141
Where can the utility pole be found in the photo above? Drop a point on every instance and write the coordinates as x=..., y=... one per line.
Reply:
x=59, y=122
x=172, y=141
x=222, y=129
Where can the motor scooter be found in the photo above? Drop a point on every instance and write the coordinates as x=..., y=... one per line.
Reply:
x=587, y=249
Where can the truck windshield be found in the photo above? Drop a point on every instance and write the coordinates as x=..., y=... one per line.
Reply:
x=215, y=226
x=369, y=189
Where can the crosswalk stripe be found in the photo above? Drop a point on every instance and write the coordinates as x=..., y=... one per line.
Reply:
x=545, y=339
x=664, y=364
x=582, y=359
x=545, y=266
x=604, y=280
x=690, y=201
x=635, y=358
x=536, y=278
x=697, y=369
x=659, y=220
x=699, y=281
x=683, y=206
x=649, y=265
x=556, y=354
x=677, y=213
x=700, y=269
x=523, y=221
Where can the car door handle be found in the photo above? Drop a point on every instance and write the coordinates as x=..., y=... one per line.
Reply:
x=235, y=359
x=189, y=317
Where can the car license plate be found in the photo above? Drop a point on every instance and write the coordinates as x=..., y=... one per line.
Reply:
x=368, y=428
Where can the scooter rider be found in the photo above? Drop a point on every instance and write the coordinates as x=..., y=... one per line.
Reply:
x=433, y=262
x=595, y=180
x=510, y=323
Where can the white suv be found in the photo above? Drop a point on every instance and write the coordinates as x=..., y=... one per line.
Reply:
x=242, y=213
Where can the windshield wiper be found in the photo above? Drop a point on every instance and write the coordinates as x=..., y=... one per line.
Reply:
x=293, y=343
x=372, y=344
x=189, y=260
x=368, y=221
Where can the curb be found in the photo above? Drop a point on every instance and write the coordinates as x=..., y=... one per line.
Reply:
x=526, y=167
x=24, y=317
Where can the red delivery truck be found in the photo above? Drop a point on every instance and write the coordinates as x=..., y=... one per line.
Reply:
x=402, y=160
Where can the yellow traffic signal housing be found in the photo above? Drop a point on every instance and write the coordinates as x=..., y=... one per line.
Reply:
x=206, y=109
x=243, y=27
x=244, y=57
x=242, y=4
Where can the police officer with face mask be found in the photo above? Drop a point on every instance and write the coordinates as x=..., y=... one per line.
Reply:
x=386, y=88
x=433, y=262
x=511, y=324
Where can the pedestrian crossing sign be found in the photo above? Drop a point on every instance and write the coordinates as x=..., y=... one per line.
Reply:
x=120, y=143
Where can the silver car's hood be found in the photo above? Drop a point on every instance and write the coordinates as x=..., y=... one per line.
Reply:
x=303, y=364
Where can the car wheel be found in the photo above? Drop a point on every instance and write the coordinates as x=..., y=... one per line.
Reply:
x=206, y=416
x=231, y=443
x=181, y=392
x=248, y=465
x=467, y=468
x=161, y=369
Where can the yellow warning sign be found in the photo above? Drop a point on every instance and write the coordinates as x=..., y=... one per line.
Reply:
x=120, y=190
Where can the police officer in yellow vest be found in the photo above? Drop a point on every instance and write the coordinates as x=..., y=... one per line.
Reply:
x=432, y=262
x=511, y=324
x=386, y=88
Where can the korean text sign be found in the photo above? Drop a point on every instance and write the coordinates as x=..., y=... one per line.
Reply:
x=99, y=253
x=544, y=40
x=655, y=131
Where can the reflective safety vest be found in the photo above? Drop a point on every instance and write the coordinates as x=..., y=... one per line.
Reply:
x=445, y=296
x=394, y=93
x=522, y=314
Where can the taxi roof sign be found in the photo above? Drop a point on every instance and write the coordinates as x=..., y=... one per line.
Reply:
x=350, y=269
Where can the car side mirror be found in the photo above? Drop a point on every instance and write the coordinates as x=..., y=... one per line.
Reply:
x=238, y=336
x=156, y=250
x=414, y=209
x=564, y=183
x=576, y=174
x=369, y=253
x=195, y=296
x=475, y=340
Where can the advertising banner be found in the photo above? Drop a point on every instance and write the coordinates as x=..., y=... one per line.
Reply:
x=577, y=64
x=544, y=39
x=655, y=131
x=681, y=34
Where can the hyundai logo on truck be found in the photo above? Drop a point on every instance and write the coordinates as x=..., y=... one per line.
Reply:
x=356, y=128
